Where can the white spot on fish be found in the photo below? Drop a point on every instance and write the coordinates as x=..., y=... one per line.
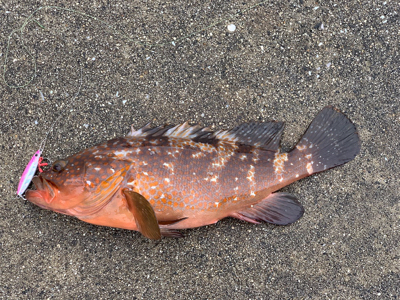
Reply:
x=297, y=175
x=197, y=155
x=309, y=168
x=301, y=148
x=169, y=166
x=88, y=182
x=214, y=178
x=250, y=173
x=121, y=153
x=279, y=162
x=256, y=155
x=309, y=156
x=252, y=193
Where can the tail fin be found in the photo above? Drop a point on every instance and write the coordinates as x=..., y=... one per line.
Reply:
x=331, y=140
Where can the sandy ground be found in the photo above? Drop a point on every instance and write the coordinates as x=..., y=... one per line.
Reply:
x=285, y=61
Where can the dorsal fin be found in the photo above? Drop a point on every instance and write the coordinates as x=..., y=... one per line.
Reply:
x=178, y=131
x=261, y=135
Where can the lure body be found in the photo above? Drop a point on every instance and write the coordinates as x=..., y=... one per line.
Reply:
x=28, y=173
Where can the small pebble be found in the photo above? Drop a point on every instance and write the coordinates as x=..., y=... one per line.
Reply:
x=41, y=95
x=231, y=27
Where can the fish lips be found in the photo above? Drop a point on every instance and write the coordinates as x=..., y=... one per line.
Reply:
x=43, y=194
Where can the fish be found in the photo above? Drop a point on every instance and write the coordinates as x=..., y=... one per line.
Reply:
x=159, y=180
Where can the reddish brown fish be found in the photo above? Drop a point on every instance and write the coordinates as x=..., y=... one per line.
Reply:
x=157, y=180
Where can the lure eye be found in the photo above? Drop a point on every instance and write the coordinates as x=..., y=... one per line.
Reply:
x=59, y=165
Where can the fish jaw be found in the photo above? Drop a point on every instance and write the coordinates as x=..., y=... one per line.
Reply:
x=48, y=196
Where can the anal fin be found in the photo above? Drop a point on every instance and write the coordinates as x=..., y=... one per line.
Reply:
x=171, y=233
x=277, y=208
x=165, y=231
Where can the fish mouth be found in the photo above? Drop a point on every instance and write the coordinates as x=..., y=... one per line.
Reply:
x=43, y=194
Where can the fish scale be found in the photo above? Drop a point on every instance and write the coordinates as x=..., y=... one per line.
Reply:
x=158, y=180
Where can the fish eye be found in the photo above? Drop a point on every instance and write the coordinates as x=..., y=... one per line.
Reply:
x=59, y=165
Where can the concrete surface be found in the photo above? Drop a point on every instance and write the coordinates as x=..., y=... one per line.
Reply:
x=281, y=64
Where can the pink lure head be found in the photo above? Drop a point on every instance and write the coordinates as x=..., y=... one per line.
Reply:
x=28, y=173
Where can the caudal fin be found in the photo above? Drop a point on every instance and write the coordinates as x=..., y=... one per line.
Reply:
x=331, y=140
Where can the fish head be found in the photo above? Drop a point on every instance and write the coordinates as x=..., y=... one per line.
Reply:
x=61, y=187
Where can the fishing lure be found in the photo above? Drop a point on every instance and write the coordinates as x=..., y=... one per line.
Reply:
x=36, y=160
x=34, y=163
x=29, y=172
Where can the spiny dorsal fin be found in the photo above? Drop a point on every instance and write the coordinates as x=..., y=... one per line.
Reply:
x=179, y=131
x=262, y=135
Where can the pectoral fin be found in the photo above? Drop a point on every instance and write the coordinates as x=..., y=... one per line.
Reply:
x=145, y=217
